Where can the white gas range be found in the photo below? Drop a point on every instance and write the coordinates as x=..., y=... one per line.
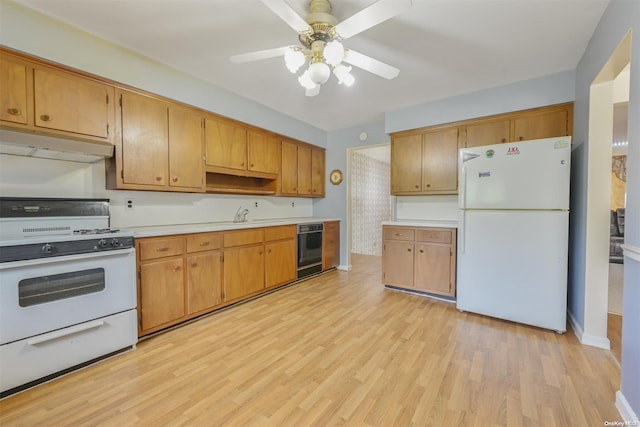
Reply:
x=67, y=288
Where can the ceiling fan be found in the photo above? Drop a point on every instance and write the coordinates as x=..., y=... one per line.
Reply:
x=320, y=35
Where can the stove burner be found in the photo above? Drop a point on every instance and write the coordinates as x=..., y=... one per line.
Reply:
x=95, y=231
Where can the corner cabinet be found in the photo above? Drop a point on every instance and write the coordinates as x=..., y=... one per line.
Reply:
x=425, y=161
x=159, y=146
x=420, y=259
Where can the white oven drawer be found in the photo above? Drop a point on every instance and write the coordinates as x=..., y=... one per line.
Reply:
x=33, y=358
x=43, y=295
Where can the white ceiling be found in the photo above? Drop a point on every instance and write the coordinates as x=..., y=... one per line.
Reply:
x=442, y=48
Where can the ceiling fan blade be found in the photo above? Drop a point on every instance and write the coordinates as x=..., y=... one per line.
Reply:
x=258, y=55
x=288, y=15
x=371, y=16
x=371, y=65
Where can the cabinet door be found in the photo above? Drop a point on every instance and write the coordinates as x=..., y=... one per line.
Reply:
x=186, y=162
x=243, y=271
x=397, y=264
x=70, y=103
x=289, y=174
x=226, y=144
x=317, y=173
x=263, y=153
x=161, y=292
x=280, y=262
x=204, y=281
x=304, y=170
x=406, y=164
x=13, y=96
x=432, y=270
x=145, y=142
x=543, y=125
x=440, y=161
x=330, y=245
x=488, y=133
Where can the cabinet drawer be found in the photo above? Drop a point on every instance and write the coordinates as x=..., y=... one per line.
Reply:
x=399, y=233
x=243, y=237
x=152, y=249
x=280, y=232
x=435, y=236
x=203, y=242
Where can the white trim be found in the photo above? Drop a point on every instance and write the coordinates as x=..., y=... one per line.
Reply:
x=631, y=251
x=344, y=267
x=587, y=339
x=625, y=410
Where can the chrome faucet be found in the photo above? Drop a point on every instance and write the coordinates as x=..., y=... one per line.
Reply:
x=241, y=215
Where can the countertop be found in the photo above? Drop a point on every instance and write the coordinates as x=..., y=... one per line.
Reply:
x=423, y=223
x=170, y=229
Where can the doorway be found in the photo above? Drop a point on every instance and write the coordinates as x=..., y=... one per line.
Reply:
x=605, y=90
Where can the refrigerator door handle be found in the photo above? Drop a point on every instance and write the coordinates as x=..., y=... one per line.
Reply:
x=462, y=190
x=461, y=231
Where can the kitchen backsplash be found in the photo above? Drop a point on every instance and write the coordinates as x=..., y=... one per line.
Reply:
x=427, y=208
x=33, y=177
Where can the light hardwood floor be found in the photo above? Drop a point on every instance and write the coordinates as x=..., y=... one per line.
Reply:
x=336, y=350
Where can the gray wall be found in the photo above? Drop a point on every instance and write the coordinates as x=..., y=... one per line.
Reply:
x=620, y=16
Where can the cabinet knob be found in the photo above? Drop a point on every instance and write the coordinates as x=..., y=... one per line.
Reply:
x=520, y=138
x=242, y=164
x=177, y=268
x=295, y=189
x=409, y=250
x=163, y=249
x=194, y=264
x=421, y=251
x=205, y=243
x=175, y=179
x=260, y=253
x=14, y=111
x=158, y=178
x=504, y=140
x=399, y=234
x=417, y=186
x=45, y=118
x=269, y=251
x=251, y=165
x=428, y=185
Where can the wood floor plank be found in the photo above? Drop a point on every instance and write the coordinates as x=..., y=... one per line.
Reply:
x=337, y=349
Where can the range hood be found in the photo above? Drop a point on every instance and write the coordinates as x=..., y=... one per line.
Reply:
x=45, y=147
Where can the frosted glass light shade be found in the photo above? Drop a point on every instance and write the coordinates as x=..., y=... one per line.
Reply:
x=319, y=72
x=333, y=52
x=305, y=81
x=294, y=59
x=342, y=72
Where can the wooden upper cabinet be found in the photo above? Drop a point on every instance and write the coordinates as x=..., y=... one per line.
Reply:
x=145, y=140
x=263, y=153
x=440, y=161
x=304, y=170
x=542, y=125
x=14, y=92
x=186, y=156
x=289, y=170
x=488, y=133
x=226, y=144
x=317, y=173
x=406, y=164
x=70, y=103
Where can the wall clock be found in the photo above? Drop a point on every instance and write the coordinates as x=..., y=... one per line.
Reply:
x=336, y=176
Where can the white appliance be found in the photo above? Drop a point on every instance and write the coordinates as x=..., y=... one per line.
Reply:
x=513, y=231
x=67, y=288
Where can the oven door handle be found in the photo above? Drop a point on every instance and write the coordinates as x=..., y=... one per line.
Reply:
x=52, y=259
x=65, y=332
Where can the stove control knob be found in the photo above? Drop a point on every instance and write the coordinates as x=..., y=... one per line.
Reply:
x=47, y=248
x=103, y=243
x=116, y=243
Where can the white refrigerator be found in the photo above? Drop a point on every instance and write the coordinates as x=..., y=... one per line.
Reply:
x=513, y=204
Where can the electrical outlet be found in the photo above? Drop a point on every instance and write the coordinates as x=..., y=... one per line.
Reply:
x=129, y=203
x=256, y=204
x=293, y=204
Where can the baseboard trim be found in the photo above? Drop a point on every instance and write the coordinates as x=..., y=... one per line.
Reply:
x=625, y=410
x=344, y=267
x=586, y=339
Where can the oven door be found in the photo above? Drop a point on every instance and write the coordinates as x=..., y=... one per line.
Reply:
x=309, y=248
x=46, y=294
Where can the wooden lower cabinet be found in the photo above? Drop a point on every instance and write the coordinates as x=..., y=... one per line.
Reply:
x=243, y=272
x=420, y=259
x=204, y=281
x=161, y=299
x=330, y=245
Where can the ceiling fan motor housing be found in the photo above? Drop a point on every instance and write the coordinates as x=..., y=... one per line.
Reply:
x=321, y=21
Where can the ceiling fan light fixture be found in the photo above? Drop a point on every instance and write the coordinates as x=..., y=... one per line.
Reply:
x=333, y=52
x=319, y=72
x=294, y=59
x=343, y=73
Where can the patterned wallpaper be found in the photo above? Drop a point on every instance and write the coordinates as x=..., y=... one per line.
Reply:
x=370, y=203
